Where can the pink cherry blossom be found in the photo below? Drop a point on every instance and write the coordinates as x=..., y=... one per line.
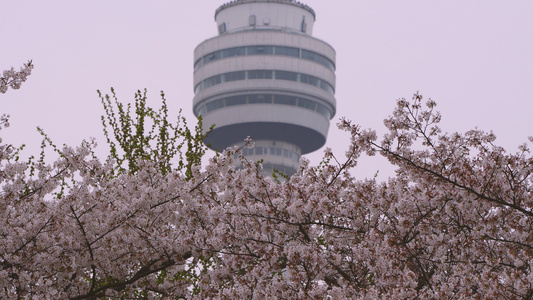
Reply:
x=455, y=222
x=13, y=79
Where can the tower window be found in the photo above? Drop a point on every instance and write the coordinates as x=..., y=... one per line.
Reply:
x=222, y=28
x=264, y=99
x=213, y=56
x=265, y=74
x=260, y=50
x=197, y=64
x=265, y=50
x=252, y=20
x=311, y=105
x=323, y=110
x=236, y=100
x=304, y=25
x=232, y=76
x=286, y=75
x=286, y=100
x=237, y=51
x=212, y=81
x=214, y=105
x=254, y=99
x=287, y=51
x=260, y=74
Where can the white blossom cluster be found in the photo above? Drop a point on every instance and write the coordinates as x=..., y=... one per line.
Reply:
x=13, y=79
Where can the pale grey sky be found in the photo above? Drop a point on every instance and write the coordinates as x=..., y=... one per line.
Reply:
x=473, y=57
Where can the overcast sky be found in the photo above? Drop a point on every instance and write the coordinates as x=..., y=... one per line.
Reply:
x=475, y=58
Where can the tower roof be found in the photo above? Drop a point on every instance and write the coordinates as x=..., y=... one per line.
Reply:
x=289, y=2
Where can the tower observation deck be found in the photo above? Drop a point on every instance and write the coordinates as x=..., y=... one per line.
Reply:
x=266, y=76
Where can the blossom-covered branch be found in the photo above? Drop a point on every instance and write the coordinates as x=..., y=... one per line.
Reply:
x=13, y=79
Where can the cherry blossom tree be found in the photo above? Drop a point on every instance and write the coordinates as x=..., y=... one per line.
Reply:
x=454, y=222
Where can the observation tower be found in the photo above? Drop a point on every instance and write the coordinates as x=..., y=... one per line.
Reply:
x=265, y=76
